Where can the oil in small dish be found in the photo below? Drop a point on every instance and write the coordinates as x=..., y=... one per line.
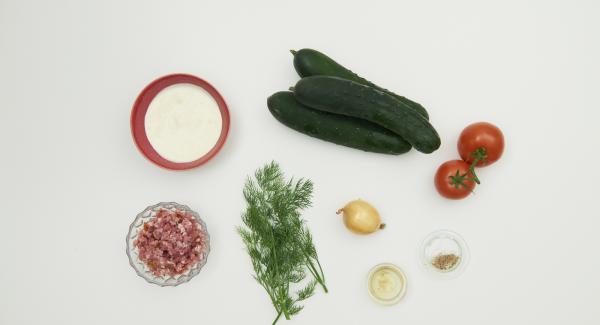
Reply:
x=386, y=284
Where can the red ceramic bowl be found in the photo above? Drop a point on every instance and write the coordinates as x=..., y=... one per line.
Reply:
x=138, y=118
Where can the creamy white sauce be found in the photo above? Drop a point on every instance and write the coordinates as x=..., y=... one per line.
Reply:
x=183, y=122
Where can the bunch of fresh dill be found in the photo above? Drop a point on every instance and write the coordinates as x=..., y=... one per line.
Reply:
x=277, y=240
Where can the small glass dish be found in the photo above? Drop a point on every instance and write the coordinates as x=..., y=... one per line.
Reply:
x=444, y=253
x=141, y=268
x=386, y=284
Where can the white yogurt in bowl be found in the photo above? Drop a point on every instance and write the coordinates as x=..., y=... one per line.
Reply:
x=183, y=122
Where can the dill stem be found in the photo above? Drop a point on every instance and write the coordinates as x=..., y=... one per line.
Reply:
x=315, y=273
x=282, y=305
x=272, y=297
x=321, y=269
x=285, y=312
x=276, y=318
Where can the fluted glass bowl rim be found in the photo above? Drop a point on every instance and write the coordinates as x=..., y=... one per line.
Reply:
x=140, y=267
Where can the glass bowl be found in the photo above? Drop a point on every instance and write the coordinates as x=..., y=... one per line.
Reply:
x=141, y=268
x=399, y=278
x=444, y=242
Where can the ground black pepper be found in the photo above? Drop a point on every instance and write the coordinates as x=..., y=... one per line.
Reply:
x=445, y=262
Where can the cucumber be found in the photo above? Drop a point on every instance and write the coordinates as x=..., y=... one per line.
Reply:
x=342, y=96
x=339, y=129
x=310, y=62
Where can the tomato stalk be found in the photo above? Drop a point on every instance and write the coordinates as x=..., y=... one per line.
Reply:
x=478, y=155
x=458, y=180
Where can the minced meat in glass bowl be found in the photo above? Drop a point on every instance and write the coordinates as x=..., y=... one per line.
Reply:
x=168, y=244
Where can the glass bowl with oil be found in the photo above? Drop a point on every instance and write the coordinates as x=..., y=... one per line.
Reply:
x=386, y=284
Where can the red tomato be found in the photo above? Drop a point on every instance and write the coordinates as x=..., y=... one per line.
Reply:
x=454, y=180
x=482, y=141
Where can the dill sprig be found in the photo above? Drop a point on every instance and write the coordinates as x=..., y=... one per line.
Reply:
x=277, y=240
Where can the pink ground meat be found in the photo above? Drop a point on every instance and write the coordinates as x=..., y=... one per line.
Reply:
x=171, y=243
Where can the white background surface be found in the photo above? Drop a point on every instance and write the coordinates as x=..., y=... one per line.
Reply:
x=72, y=180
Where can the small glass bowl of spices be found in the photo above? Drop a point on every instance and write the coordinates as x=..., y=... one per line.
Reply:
x=168, y=244
x=444, y=253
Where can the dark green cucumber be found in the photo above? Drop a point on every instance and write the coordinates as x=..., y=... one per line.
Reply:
x=310, y=62
x=342, y=96
x=339, y=129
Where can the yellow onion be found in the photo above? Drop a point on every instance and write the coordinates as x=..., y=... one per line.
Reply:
x=361, y=217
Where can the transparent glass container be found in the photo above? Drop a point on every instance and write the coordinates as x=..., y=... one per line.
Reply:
x=444, y=242
x=395, y=279
x=141, y=268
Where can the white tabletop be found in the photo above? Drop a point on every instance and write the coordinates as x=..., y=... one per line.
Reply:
x=72, y=180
